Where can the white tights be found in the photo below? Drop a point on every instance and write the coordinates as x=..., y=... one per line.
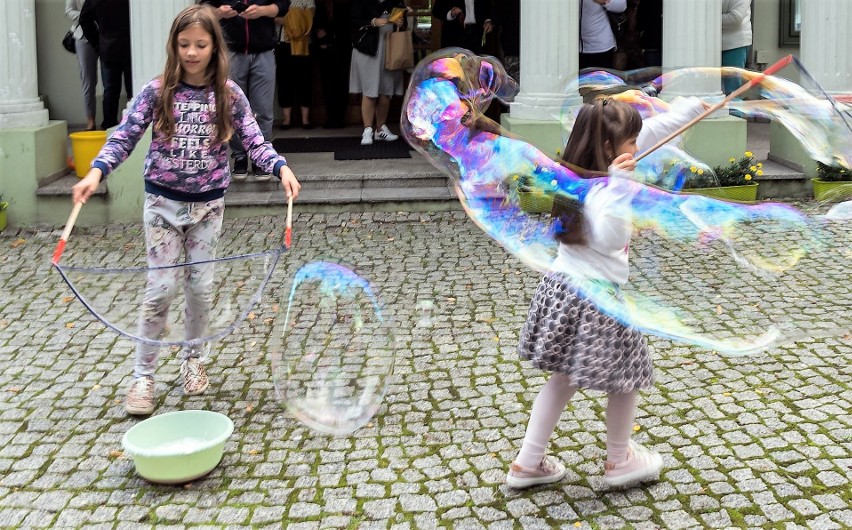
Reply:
x=548, y=406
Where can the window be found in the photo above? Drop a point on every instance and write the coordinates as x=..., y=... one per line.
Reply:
x=791, y=23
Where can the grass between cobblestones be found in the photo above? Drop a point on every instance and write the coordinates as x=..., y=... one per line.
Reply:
x=761, y=441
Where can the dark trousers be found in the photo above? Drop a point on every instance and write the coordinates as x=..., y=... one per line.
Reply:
x=111, y=75
x=295, y=77
x=334, y=72
x=597, y=60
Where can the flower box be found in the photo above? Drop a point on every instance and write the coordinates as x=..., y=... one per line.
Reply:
x=745, y=193
x=535, y=201
x=832, y=190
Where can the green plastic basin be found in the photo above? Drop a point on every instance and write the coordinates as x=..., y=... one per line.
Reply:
x=178, y=447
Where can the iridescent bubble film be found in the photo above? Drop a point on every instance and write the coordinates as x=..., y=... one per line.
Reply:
x=332, y=351
x=750, y=253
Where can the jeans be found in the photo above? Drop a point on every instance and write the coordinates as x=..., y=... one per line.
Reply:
x=254, y=73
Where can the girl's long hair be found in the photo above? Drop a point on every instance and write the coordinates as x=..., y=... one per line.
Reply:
x=216, y=74
x=599, y=129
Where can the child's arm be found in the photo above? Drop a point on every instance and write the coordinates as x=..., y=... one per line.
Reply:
x=261, y=152
x=657, y=127
x=121, y=143
x=608, y=209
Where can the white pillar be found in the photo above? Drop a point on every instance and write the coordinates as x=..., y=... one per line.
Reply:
x=20, y=105
x=150, y=22
x=692, y=36
x=824, y=41
x=549, y=57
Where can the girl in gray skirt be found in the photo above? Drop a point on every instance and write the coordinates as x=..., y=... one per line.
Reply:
x=565, y=333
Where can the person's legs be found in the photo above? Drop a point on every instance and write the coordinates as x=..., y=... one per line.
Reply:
x=736, y=58
x=204, y=221
x=238, y=73
x=546, y=410
x=368, y=111
x=111, y=77
x=164, y=242
x=382, y=110
x=620, y=412
x=88, y=58
x=261, y=90
x=627, y=461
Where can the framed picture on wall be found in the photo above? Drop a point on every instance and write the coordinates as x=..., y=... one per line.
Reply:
x=790, y=22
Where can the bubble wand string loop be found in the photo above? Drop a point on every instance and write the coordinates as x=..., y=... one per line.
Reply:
x=759, y=78
x=60, y=246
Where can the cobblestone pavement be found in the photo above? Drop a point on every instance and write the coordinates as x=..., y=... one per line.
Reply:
x=759, y=441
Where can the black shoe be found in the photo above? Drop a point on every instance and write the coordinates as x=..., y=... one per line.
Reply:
x=240, y=171
x=284, y=127
x=307, y=126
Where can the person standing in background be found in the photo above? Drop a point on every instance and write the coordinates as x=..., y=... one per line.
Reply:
x=333, y=51
x=294, y=65
x=87, y=56
x=464, y=23
x=736, y=38
x=597, y=43
x=508, y=18
x=650, y=22
x=106, y=25
x=251, y=35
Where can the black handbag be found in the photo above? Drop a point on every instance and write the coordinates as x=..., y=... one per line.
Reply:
x=367, y=40
x=69, y=42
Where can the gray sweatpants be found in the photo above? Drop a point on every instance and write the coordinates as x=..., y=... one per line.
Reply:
x=255, y=75
x=172, y=229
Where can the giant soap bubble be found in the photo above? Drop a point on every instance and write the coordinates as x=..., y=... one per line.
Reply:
x=332, y=349
x=708, y=272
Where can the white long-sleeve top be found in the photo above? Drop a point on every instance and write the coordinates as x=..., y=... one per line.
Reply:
x=681, y=111
x=606, y=209
x=595, y=33
x=736, y=24
x=609, y=225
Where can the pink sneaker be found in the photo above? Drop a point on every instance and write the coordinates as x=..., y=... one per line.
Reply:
x=641, y=464
x=548, y=471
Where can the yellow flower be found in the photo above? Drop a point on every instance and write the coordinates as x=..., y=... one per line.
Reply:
x=515, y=177
x=753, y=168
x=748, y=177
x=693, y=169
x=760, y=164
x=700, y=171
x=749, y=154
x=732, y=159
x=759, y=172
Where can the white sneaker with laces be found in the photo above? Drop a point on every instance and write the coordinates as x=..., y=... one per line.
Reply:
x=140, y=397
x=367, y=136
x=194, y=377
x=384, y=134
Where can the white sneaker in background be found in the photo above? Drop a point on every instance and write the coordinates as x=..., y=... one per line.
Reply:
x=385, y=135
x=367, y=136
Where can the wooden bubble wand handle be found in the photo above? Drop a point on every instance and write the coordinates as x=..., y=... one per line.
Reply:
x=757, y=79
x=60, y=246
x=288, y=232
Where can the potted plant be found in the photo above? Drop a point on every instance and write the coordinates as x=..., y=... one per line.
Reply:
x=832, y=182
x=734, y=181
x=3, y=206
x=532, y=198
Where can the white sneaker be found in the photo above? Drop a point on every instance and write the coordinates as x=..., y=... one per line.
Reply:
x=367, y=136
x=385, y=135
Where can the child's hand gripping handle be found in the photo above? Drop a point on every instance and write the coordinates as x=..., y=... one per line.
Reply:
x=784, y=61
x=288, y=232
x=60, y=246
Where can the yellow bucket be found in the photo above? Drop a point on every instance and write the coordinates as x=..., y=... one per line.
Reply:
x=85, y=145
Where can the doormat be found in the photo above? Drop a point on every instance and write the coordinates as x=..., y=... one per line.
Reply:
x=343, y=147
